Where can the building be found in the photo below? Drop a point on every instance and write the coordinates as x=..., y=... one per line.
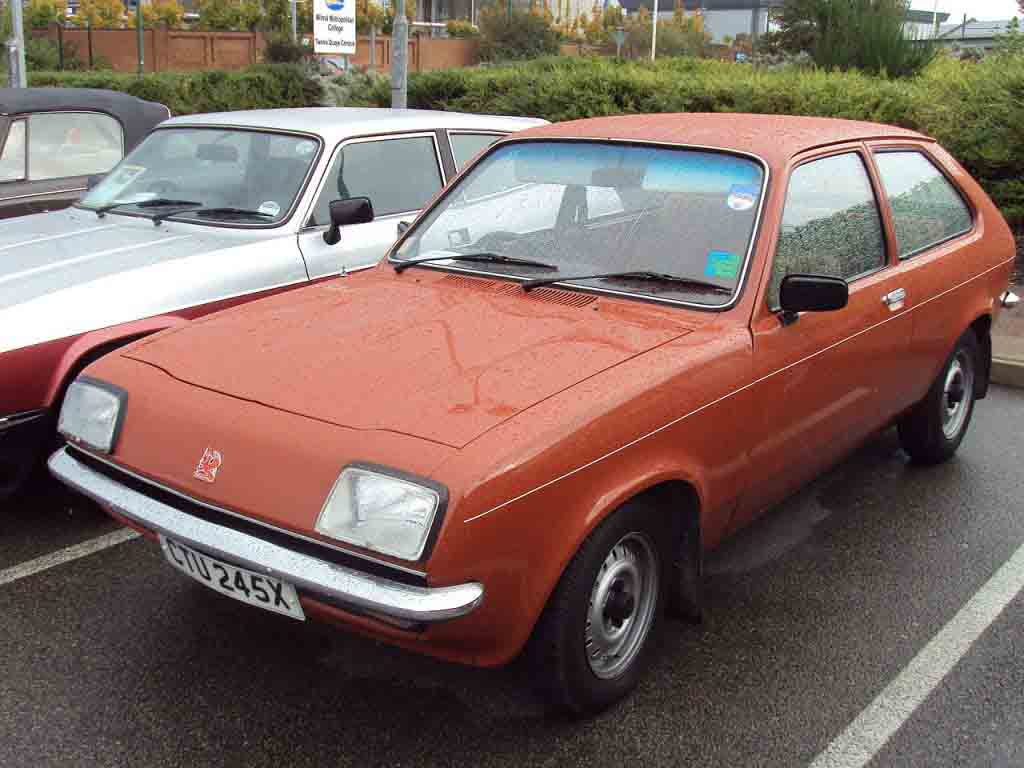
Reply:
x=722, y=18
x=921, y=24
x=972, y=35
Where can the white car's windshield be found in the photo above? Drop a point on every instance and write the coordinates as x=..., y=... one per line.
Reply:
x=213, y=175
x=578, y=209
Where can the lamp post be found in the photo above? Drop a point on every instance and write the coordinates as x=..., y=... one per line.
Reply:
x=399, y=57
x=16, y=49
x=654, y=32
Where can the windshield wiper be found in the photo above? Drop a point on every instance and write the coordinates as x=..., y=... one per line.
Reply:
x=226, y=211
x=493, y=258
x=529, y=285
x=156, y=202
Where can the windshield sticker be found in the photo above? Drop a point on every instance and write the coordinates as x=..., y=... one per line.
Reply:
x=270, y=208
x=742, y=197
x=723, y=265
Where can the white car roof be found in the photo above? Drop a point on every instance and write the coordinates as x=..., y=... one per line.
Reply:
x=338, y=123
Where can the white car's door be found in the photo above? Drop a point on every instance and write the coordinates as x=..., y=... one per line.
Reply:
x=400, y=173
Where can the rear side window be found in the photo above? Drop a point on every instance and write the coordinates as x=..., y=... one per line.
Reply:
x=466, y=146
x=831, y=224
x=398, y=175
x=926, y=208
x=63, y=144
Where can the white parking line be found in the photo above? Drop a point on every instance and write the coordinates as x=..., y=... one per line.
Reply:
x=869, y=732
x=68, y=554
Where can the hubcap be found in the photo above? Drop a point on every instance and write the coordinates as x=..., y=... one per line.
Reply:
x=957, y=394
x=623, y=601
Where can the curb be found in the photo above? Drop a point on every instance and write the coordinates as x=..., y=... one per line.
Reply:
x=1009, y=373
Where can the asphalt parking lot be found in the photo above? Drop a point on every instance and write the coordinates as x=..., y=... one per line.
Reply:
x=830, y=621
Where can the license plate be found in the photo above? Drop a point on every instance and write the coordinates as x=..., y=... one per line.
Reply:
x=253, y=588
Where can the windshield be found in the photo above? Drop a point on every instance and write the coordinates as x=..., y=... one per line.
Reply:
x=213, y=175
x=591, y=208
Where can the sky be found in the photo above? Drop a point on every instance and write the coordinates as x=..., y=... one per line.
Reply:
x=979, y=9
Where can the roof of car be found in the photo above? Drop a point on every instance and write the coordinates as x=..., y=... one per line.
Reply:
x=775, y=138
x=137, y=116
x=336, y=123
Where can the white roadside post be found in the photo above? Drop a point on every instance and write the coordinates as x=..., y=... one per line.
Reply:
x=295, y=21
x=334, y=28
x=18, y=74
x=399, y=57
x=654, y=32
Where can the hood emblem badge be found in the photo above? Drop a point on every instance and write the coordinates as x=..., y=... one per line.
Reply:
x=206, y=469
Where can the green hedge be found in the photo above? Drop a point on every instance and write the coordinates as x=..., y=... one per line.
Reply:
x=975, y=110
x=259, y=87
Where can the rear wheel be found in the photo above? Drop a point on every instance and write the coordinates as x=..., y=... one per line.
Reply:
x=934, y=429
x=594, y=638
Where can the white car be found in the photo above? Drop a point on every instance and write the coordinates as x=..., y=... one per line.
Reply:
x=208, y=211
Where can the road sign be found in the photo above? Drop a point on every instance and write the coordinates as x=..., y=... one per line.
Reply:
x=334, y=27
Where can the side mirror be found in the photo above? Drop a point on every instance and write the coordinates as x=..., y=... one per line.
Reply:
x=812, y=293
x=403, y=227
x=352, y=210
x=92, y=181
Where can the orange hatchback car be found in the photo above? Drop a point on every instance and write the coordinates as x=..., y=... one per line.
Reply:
x=605, y=347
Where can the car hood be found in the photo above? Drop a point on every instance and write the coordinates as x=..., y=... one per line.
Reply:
x=439, y=357
x=70, y=271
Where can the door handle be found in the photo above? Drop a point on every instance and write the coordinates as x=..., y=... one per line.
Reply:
x=894, y=299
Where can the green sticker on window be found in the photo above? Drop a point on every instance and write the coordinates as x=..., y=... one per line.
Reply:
x=723, y=265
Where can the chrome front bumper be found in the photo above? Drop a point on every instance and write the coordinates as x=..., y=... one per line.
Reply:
x=369, y=594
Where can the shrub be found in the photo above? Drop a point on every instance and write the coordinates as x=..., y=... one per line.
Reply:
x=281, y=50
x=462, y=28
x=975, y=110
x=263, y=86
x=519, y=36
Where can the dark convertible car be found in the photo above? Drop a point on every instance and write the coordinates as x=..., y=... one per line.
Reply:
x=54, y=139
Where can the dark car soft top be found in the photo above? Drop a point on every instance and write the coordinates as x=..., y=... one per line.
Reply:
x=137, y=116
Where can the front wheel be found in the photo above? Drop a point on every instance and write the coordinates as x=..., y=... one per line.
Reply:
x=595, y=635
x=934, y=429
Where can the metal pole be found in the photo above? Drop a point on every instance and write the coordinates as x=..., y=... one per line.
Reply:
x=373, y=47
x=654, y=32
x=935, y=19
x=88, y=35
x=140, y=39
x=18, y=40
x=295, y=22
x=60, y=46
x=399, y=57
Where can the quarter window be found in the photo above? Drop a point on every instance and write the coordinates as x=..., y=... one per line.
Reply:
x=64, y=144
x=466, y=146
x=926, y=208
x=398, y=175
x=12, y=160
x=831, y=225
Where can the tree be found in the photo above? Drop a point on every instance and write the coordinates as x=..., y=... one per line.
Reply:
x=43, y=13
x=104, y=14
x=852, y=34
x=167, y=12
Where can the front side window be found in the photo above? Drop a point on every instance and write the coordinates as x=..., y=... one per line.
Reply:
x=466, y=146
x=585, y=208
x=12, y=161
x=926, y=209
x=213, y=175
x=67, y=144
x=399, y=175
x=830, y=225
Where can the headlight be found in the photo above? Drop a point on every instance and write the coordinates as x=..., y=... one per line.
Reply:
x=388, y=513
x=92, y=414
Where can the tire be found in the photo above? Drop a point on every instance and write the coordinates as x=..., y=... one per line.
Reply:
x=584, y=660
x=933, y=430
